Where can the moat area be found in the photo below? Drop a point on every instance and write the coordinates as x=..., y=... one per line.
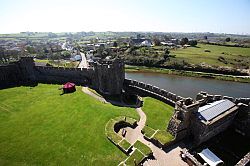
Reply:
x=190, y=86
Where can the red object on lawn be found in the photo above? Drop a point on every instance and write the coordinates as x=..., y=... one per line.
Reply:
x=69, y=87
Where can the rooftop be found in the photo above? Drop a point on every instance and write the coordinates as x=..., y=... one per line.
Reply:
x=212, y=110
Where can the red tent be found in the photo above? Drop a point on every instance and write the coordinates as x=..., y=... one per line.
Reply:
x=69, y=87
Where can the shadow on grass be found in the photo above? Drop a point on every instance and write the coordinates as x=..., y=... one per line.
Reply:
x=13, y=85
x=119, y=101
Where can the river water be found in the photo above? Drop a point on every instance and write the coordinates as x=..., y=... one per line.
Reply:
x=190, y=86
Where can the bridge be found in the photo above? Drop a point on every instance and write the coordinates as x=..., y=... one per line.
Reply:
x=142, y=89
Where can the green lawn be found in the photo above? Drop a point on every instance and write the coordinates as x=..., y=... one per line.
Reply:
x=163, y=137
x=196, y=55
x=113, y=136
x=148, y=131
x=135, y=158
x=40, y=127
x=143, y=148
x=158, y=113
x=125, y=144
x=158, y=117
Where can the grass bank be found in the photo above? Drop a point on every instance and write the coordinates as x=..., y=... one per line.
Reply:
x=38, y=126
x=141, y=69
x=158, y=117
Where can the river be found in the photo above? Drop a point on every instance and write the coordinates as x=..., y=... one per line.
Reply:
x=190, y=86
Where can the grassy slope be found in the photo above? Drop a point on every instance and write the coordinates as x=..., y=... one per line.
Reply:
x=158, y=113
x=158, y=117
x=196, y=55
x=40, y=127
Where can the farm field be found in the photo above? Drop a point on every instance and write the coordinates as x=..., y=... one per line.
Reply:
x=38, y=126
x=233, y=56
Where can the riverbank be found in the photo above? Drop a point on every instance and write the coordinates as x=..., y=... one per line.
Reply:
x=142, y=69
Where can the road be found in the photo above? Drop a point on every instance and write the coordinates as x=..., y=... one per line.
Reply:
x=83, y=63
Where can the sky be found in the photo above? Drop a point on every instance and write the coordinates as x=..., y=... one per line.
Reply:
x=217, y=16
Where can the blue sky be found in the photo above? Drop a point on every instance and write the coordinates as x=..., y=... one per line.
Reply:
x=219, y=16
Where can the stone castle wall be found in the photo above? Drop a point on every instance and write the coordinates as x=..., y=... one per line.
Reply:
x=202, y=133
x=60, y=75
x=104, y=76
x=143, y=89
x=210, y=98
x=183, y=123
x=9, y=76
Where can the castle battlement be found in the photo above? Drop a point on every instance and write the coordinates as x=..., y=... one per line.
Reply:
x=98, y=76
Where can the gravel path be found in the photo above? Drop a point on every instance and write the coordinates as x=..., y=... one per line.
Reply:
x=87, y=91
x=171, y=158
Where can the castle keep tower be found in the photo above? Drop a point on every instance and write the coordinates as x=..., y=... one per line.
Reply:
x=110, y=75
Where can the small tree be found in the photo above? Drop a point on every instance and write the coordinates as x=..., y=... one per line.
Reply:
x=192, y=43
x=2, y=55
x=115, y=44
x=184, y=41
x=156, y=41
x=228, y=39
x=166, y=54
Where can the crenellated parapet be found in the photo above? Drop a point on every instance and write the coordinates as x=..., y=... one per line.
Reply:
x=105, y=76
x=207, y=98
x=143, y=89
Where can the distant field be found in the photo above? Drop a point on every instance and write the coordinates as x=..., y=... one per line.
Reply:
x=234, y=56
x=38, y=126
x=71, y=64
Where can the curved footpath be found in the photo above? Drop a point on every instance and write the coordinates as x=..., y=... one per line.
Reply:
x=162, y=158
x=88, y=92
x=171, y=158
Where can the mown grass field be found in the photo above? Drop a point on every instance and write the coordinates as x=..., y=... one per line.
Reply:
x=38, y=126
x=158, y=117
x=158, y=113
x=196, y=55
